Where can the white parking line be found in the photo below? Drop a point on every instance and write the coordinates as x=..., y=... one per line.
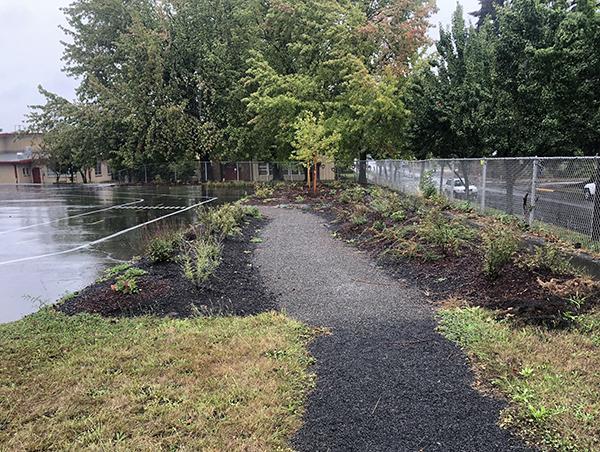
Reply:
x=69, y=217
x=104, y=239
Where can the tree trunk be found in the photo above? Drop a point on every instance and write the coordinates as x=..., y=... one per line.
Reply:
x=464, y=165
x=315, y=176
x=308, y=169
x=362, y=168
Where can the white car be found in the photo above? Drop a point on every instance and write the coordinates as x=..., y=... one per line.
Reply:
x=458, y=187
x=589, y=190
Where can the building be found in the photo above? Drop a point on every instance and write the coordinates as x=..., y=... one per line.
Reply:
x=20, y=163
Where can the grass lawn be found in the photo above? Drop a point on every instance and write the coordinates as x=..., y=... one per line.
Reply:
x=87, y=382
x=551, y=378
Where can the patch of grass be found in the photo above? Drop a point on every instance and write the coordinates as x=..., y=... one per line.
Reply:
x=85, y=382
x=500, y=243
x=550, y=377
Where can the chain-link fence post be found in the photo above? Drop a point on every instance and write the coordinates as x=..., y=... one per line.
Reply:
x=145, y=175
x=451, y=194
x=483, y=185
x=595, y=233
x=534, y=178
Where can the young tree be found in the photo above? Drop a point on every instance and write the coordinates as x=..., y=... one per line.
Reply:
x=313, y=144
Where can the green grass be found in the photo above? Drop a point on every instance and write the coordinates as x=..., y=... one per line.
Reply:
x=550, y=378
x=89, y=383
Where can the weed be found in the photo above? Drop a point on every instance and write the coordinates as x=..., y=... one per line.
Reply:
x=499, y=246
x=385, y=202
x=379, y=225
x=256, y=240
x=127, y=282
x=113, y=272
x=300, y=199
x=252, y=211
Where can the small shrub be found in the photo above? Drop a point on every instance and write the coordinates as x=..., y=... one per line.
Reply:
x=399, y=215
x=442, y=232
x=263, y=191
x=300, y=199
x=548, y=257
x=384, y=201
x=252, y=211
x=353, y=194
x=113, y=272
x=499, y=246
x=427, y=186
x=223, y=221
x=127, y=282
x=164, y=247
x=201, y=259
x=379, y=225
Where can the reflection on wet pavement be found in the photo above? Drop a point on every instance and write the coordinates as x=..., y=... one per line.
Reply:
x=45, y=221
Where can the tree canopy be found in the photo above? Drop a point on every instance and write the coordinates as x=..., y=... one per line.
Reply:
x=172, y=80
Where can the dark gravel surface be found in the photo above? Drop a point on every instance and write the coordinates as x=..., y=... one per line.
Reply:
x=386, y=380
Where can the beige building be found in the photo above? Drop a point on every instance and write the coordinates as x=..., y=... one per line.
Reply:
x=20, y=163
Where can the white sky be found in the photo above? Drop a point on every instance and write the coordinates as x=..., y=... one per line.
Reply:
x=30, y=53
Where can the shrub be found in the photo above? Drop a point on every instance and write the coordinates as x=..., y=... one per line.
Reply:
x=164, y=246
x=548, y=257
x=223, y=221
x=263, y=191
x=442, y=232
x=127, y=282
x=201, y=259
x=352, y=194
x=499, y=246
x=399, y=215
x=427, y=186
x=384, y=201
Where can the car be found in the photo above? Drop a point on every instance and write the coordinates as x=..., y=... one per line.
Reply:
x=458, y=187
x=589, y=190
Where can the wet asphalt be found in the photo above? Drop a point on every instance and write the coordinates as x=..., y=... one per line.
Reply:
x=386, y=380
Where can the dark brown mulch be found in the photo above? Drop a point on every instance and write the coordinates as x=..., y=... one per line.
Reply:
x=235, y=288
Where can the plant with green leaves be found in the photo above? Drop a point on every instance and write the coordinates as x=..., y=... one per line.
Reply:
x=200, y=259
x=313, y=144
x=500, y=243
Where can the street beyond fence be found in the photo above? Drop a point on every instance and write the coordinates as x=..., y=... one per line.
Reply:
x=556, y=191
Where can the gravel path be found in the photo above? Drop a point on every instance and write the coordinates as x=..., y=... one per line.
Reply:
x=386, y=381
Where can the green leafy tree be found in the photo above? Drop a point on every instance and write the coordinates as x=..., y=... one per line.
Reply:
x=314, y=144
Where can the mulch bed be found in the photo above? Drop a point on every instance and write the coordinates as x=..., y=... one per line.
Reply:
x=515, y=293
x=235, y=288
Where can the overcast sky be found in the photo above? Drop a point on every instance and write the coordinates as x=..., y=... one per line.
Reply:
x=30, y=53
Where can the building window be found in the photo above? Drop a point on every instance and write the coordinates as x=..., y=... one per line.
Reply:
x=263, y=169
x=26, y=171
x=98, y=168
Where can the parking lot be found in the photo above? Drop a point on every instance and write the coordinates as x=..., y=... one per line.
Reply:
x=54, y=240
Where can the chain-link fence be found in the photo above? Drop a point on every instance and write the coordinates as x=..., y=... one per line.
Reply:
x=557, y=191
x=206, y=171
